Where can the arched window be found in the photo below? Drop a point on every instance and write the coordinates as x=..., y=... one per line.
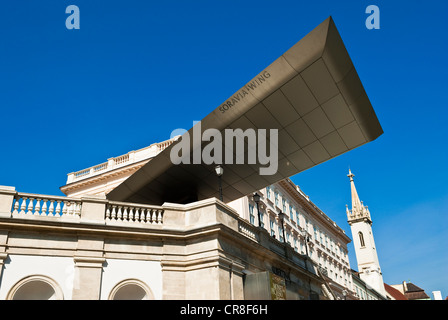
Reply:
x=361, y=239
x=36, y=287
x=131, y=289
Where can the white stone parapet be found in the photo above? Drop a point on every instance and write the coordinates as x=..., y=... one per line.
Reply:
x=139, y=213
x=93, y=211
x=120, y=161
x=30, y=204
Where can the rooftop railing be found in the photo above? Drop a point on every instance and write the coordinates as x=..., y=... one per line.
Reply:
x=120, y=161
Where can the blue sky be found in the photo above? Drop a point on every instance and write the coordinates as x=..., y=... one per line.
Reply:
x=136, y=70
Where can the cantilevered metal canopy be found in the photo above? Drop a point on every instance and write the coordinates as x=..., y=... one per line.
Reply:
x=312, y=94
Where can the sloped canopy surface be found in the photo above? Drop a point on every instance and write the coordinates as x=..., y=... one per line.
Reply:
x=311, y=94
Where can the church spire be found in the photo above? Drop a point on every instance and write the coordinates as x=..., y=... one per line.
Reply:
x=358, y=208
x=365, y=249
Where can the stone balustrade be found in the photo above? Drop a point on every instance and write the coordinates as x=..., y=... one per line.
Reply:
x=122, y=211
x=41, y=205
x=120, y=161
x=93, y=211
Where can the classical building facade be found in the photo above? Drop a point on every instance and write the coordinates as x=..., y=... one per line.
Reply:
x=290, y=216
x=84, y=246
x=143, y=226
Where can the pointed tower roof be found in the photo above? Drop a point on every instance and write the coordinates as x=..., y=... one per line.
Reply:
x=359, y=211
x=356, y=203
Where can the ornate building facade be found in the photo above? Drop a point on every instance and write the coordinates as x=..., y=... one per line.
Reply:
x=84, y=246
x=141, y=226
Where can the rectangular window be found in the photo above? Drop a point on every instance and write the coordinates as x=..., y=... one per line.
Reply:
x=262, y=219
x=291, y=213
x=271, y=225
x=276, y=198
x=268, y=192
x=251, y=214
x=283, y=205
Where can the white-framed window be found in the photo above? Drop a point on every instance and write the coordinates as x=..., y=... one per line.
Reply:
x=361, y=239
x=272, y=227
x=251, y=214
x=262, y=219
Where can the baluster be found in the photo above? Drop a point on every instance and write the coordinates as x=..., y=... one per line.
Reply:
x=143, y=215
x=71, y=208
x=30, y=206
x=78, y=208
x=133, y=212
x=16, y=205
x=153, y=216
x=148, y=216
x=126, y=214
x=58, y=207
x=64, y=208
x=159, y=216
x=114, y=213
x=37, y=207
x=137, y=214
x=107, y=212
x=23, y=206
x=51, y=208
x=44, y=207
x=120, y=213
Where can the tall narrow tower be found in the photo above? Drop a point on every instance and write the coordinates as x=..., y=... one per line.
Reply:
x=361, y=225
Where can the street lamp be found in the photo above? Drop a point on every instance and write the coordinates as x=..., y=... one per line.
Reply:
x=344, y=293
x=219, y=172
x=257, y=201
